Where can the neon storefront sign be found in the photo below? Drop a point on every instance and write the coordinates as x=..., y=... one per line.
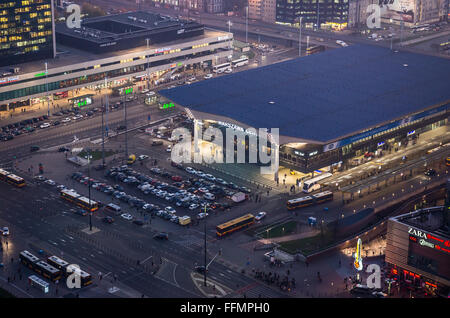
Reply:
x=428, y=240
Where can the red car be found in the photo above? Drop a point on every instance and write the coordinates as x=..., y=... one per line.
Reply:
x=176, y=178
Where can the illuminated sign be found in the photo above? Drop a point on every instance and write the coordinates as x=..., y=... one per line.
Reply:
x=9, y=80
x=313, y=153
x=415, y=234
x=40, y=74
x=380, y=144
x=164, y=49
x=411, y=132
x=108, y=44
x=168, y=105
x=235, y=127
x=358, y=259
x=128, y=90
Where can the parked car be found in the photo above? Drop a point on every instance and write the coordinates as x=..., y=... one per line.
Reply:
x=127, y=216
x=108, y=219
x=161, y=236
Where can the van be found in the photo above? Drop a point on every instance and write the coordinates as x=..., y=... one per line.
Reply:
x=115, y=208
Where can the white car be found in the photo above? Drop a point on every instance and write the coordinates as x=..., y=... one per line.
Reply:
x=65, y=120
x=145, y=91
x=209, y=196
x=202, y=215
x=341, y=43
x=207, y=76
x=201, y=174
x=228, y=71
x=192, y=79
x=169, y=148
x=44, y=125
x=210, y=177
x=5, y=231
x=170, y=210
x=142, y=157
x=193, y=206
x=190, y=170
x=127, y=216
x=260, y=216
x=50, y=182
x=149, y=94
x=61, y=187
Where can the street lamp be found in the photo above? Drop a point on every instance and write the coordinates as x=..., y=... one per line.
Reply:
x=204, y=269
x=46, y=85
x=89, y=186
x=300, y=37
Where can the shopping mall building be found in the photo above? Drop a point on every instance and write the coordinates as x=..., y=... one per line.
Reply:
x=418, y=249
x=113, y=48
x=330, y=107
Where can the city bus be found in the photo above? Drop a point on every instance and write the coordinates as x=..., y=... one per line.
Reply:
x=28, y=259
x=313, y=184
x=60, y=95
x=85, y=278
x=11, y=178
x=299, y=203
x=58, y=263
x=221, y=67
x=323, y=197
x=314, y=49
x=79, y=200
x=235, y=224
x=48, y=271
x=35, y=281
x=240, y=62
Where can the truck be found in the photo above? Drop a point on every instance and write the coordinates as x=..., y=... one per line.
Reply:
x=184, y=220
x=238, y=197
x=131, y=159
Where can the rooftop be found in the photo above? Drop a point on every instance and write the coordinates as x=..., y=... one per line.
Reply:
x=429, y=219
x=68, y=55
x=324, y=96
x=111, y=27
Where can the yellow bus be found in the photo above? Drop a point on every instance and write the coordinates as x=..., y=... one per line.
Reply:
x=299, y=203
x=235, y=224
x=79, y=200
x=447, y=161
x=12, y=178
x=323, y=197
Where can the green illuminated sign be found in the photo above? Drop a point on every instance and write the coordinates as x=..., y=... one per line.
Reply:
x=179, y=64
x=40, y=74
x=82, y=103
x=168, y=105
x=128, y=90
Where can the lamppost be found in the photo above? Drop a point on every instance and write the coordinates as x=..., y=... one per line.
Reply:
x=246, y=23
x=148, y=66
x=300, y=37
x=89, y=187
x=46, y=85
x=204, y=269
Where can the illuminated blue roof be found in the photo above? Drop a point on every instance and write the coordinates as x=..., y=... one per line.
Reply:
x=324, y=96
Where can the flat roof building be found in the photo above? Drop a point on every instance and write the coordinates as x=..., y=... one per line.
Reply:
x=126, y=31
x=330, y=105
x=74, y=68
x=418, y=249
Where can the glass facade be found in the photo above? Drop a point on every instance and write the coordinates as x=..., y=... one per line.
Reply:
x=122, y=71
x=26, y=31
x=326, y=11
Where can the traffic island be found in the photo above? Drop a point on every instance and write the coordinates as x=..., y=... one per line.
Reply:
x=212, y=288
x=89, y=231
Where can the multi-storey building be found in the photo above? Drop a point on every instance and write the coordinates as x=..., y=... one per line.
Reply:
x=26, y=31
x=321, y=13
